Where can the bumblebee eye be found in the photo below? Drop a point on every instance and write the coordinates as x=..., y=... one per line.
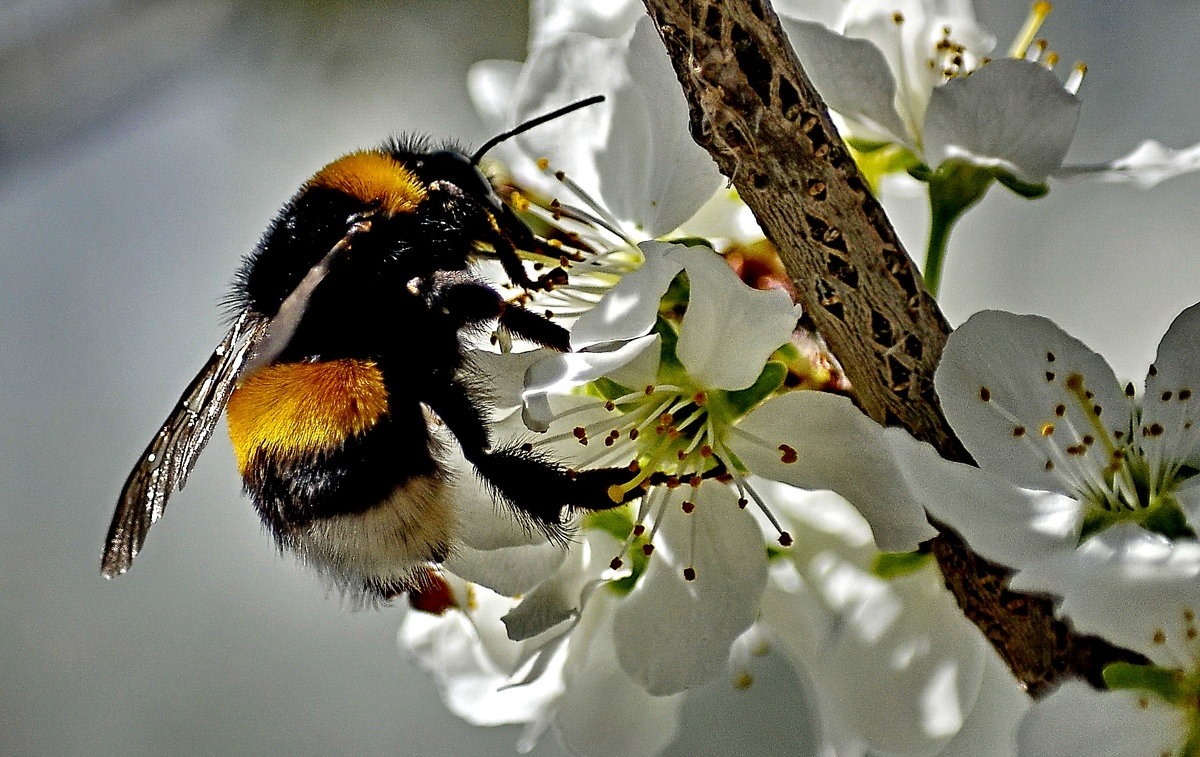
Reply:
x=457, y=169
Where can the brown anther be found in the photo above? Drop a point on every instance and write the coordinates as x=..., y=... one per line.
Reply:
x=1153, y=370
x=1049, y=375
x=1188, y=616
x=1077, y=449
x=1160, y=637
x=742, y=502
x=1049, y=465
x=699, y=398
x=688, y=507
x=689, y=574
x=527, y=447
x=897, y=18
x=1047, y=429
x=560, y=175
x=649, y=389
x=672, y=482
x=785, y=539
x=1075, y=382
x=1129, y=390
x=705, y=450
x=1089, y=440
x=634, y=466
x=610, y=406
x=639, y=529
x=609, y=441
x=647, y=549
x=580, y=432
x=788, y=454
x=1060, y=410
x=985, y=394
x=680, y=455
x=1166, y=396
x=616, y=563
x=1018, y=431
x=1185, y=394
x=633, y=434
x=1050, y=357
x=1096, y=410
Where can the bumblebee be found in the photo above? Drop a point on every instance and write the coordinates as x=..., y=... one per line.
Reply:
x=344, y=345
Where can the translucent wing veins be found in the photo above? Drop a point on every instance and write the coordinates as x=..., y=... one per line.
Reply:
x=168, y=459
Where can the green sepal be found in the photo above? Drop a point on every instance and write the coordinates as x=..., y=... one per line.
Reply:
x=768, y=382
x=1026, y=189
x=618, y=523
x=1166, y=683
x=889, y=565
x=690, y=242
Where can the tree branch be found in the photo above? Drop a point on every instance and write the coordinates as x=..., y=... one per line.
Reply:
x=755, y=111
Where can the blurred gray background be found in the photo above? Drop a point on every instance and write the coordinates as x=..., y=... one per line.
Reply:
x=143, y=147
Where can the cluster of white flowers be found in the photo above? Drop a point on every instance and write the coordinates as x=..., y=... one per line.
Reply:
x=759, y=514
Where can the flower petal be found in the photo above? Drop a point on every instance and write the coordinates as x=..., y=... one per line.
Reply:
x=559, y=373
x=629, y=309
x=1003, y=382
x=838, y=448
x=1078, y=720
x=1170, y=434
x=1150, y=163
x=1136, y=589
x=1012, y=114
x=895, y=666
x=991, y=728
x=673, y=633
x=603, y=712
x=729, y=329
x=468, y=673
x=552, y=18
x=853, y=78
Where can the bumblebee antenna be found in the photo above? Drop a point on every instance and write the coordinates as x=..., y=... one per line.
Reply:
x=531, y=123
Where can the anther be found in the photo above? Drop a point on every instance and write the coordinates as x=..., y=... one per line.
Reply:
x=1060, y=410
x=785, y=539
x=616, y=563
x=985, y=394
x=688, y=507
x=789, y=454
x=1047, y=429
x=647, y=549
x=1075, y=382
x=689, y=574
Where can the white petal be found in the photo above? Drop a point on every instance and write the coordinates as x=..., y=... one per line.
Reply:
x=723, y=313
x=603, y=712
x=629, y=309
x=1078, y=720
x=652, y=173
x=1173, y=395
x=840, y=449
x=560, y=373
x=555, y=600
x=853, y=78
x=1150, y=163
x=1010, y=113
x=673, y=633
x=553, y=18
x=468, y=677
x=505, y=377
x=908, y=683
x=889, y=476
x=506, y=570
x=991, y=728
x=895, y=666
x=1002, y=380
x=1134, y=588
x=491, y=84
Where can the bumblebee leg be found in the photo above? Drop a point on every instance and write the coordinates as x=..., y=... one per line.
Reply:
x=471, y=302
x=537, y=488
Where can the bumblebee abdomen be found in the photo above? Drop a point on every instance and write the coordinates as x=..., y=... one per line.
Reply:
x=300, y=410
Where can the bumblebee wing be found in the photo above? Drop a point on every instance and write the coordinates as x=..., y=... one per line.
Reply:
x=168, y=459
